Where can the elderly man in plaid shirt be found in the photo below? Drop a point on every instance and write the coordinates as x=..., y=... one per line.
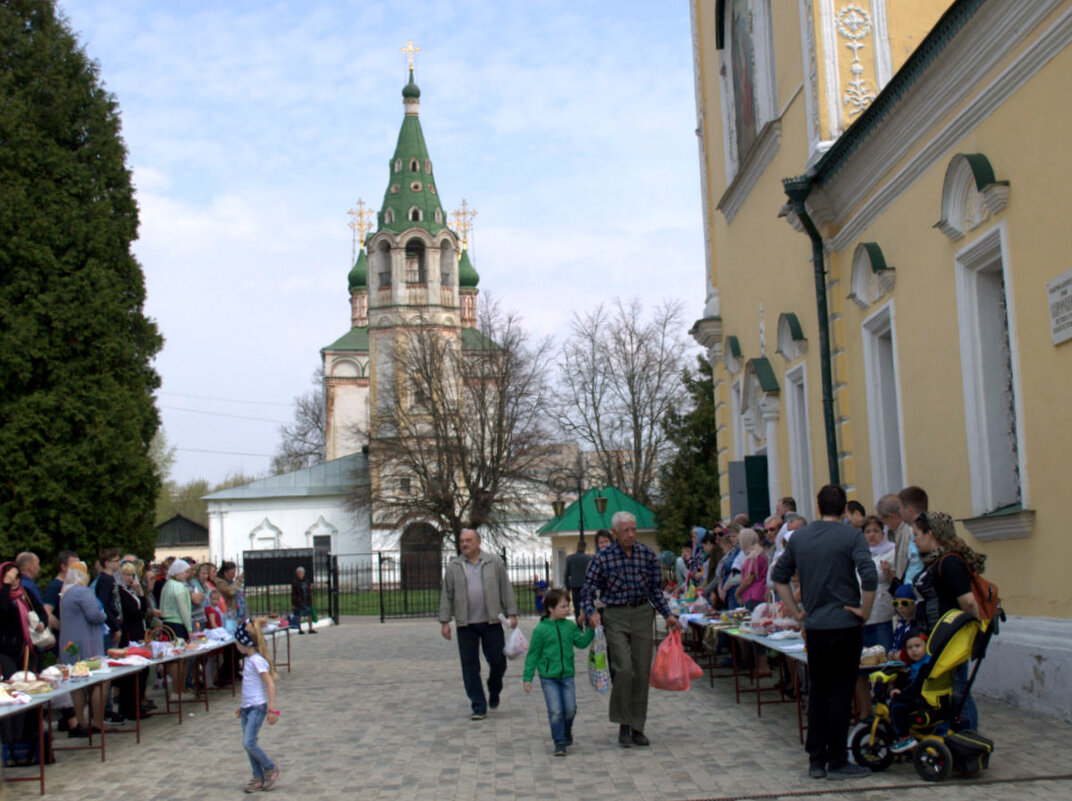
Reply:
x=629, y=582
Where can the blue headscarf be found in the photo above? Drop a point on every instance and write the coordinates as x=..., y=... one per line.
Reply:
x=242, y=635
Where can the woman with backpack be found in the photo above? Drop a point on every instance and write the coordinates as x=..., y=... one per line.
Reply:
x=946, y=583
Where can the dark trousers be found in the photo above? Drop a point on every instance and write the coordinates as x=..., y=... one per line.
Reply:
x=629, y=645
x=471, y=639
x=833, y=663
x=575, y=593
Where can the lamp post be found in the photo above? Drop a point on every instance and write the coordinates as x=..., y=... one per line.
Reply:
x=564, y=480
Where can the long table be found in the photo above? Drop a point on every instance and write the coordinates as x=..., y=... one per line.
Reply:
x=42, y=702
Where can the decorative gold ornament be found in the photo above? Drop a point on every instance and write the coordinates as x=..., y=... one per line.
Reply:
x=409, y=51
x=360, y=223
x=462, y=222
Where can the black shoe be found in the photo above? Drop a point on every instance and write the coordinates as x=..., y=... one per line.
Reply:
x=640, y=739
x=63, y=725
x=816, y=770
x=625, y=736
x=300, y=631
x=569, y=741
x=115, y=719
x=148, y=703
x=77, y=731
x=313, y=631
x=493, y=702
x=847, y=771
x=478, y=716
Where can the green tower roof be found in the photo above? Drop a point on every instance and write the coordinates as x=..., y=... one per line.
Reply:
x=467, y=275
x=359, y=274
x=411, y=190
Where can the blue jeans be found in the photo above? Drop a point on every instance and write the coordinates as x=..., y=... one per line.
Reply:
x=969, y=714
x=879, y=634
x=472, y=639
x=561, y=707
x=252, y=719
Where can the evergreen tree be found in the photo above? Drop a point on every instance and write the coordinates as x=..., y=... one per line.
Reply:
x=77, y=414
x=689, y=481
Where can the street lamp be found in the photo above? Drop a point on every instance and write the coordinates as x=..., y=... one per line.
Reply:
x=563, y=480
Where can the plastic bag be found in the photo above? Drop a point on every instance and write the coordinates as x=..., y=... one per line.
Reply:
x=598, y=671
x=673, y=668
x=516, y=644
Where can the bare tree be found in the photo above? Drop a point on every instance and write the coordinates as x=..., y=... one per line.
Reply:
x=618, y=377
x=460, y=441
x=302, y=440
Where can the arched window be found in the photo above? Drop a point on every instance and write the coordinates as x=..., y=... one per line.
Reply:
x=398, y=165
x=439, y=215
x=389, y=216
x=414, y=165
x=415, y=263
x=415, y=214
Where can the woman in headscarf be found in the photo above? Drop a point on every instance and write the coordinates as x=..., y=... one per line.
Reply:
x=15, y=607
x=175, y=608
x=81, y=616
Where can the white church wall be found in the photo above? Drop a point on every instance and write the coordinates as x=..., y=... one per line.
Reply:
x=286, y=522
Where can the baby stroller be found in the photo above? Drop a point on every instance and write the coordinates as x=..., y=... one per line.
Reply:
x=957, y=638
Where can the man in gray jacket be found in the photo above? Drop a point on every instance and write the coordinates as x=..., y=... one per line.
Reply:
x=476, y=590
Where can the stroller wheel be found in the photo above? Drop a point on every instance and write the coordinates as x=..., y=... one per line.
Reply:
x=873, y=752
x=933, y=760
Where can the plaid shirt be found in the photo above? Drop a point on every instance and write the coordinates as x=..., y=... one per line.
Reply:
x=621, y=579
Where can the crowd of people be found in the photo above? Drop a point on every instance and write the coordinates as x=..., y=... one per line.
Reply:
x=90, y=609
x=853, y=580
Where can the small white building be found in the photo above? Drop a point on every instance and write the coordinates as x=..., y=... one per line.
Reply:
x=308, y=508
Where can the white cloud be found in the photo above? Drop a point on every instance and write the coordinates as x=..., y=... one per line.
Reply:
x=254, y=127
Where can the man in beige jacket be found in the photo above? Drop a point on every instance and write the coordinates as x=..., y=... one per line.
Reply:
x=476, y=590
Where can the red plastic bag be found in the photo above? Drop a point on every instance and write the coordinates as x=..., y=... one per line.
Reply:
x=673, y=668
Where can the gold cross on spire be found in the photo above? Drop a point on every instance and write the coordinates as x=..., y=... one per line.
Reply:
x=409, y=51
x=361, y=224
x=462, y=219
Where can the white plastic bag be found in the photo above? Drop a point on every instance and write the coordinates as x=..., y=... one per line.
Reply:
x=516, y=644
x=598, y=672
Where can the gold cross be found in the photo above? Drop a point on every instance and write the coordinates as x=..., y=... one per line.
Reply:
x=361, y=224
x=408, y=51
x=463, y=222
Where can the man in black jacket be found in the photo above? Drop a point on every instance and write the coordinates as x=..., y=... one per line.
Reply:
x=576, y=566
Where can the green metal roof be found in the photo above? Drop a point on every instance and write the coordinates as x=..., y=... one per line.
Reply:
x=570, y=519
x=358, y=277
x=474, y=340
x=796, y=332
x=765, y=374
x=356, y=339
x=409, y=189
x=467, y=275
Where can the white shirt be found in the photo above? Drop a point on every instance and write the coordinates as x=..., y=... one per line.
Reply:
x=253, y=689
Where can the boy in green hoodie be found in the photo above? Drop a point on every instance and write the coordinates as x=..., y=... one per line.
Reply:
x=551, y=653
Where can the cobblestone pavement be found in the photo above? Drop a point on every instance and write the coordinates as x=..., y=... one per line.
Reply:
x=377, y=712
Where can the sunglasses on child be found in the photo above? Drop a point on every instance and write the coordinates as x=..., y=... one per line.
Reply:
x=903, y=602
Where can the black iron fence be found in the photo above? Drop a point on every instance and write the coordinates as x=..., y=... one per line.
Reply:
x=387, y=584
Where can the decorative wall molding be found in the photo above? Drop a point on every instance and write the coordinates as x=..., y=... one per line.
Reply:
x=791, y=342
x=969, y=194
x=759, y=157
x=854, y=24
x=947, y=84
x=871, y=276
x=1015, y=524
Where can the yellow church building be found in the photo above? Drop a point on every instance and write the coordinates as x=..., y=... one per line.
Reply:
x=889, y=285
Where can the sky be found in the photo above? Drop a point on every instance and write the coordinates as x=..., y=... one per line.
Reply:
x=252, y=127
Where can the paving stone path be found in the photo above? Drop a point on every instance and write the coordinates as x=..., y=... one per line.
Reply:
x=377, y=712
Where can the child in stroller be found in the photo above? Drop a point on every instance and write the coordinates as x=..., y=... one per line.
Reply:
x=918, y=718
x=906, y=699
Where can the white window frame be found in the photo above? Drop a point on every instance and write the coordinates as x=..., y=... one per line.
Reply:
x=970, y=261
x=766, y=96
x=883, y=480
x=800, y=455
x=737, y=412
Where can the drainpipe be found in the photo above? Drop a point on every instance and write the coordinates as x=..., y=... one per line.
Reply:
x=798, y=189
